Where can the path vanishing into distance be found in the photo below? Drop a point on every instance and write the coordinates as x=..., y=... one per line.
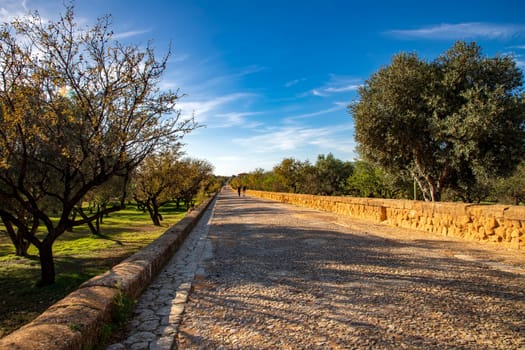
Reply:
x=257, y=274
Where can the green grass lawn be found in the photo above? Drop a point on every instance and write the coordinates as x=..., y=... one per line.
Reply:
x=79, y=255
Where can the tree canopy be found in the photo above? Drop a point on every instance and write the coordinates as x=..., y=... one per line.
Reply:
x=76, y=110
x=450, y=123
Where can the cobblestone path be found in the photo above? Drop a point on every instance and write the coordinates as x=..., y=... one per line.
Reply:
x=158, y=312
x=277, y=276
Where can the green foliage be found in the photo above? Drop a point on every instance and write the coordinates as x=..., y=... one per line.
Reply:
x=196, y=175
x=156, y=182
x=164, y=177
x=332, y=174
x=511, y=190
x=123, y=310
x=105, y=335
x=451, y=123
x=287, y=175
x=367, y=180
x=326, y=177
x=371, y=180
x=75, y=327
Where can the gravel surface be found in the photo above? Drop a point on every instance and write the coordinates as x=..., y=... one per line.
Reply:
x=284, y=277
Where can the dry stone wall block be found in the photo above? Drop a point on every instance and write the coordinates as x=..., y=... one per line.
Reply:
x=485, y=223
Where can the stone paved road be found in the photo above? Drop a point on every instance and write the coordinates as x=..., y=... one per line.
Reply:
x=283, y=277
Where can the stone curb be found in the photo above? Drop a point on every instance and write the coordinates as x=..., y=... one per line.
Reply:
x=76, y=322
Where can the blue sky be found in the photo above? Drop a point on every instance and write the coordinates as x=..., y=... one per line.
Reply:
x=273, y=79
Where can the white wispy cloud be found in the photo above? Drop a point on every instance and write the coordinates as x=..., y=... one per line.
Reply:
x=46, y=10
x=176, y=58
x=196, y=79
x=292, y=138
x=294, y=82
x=337, y=84
x=228, y=78
x=337, y=106
x=351, y=87
x=11, y=9
x=231, y=119
x=449, y=31
x=129, y=34
x=318, y=92
x=205, y=108
x=250, y=70
x=520, y=63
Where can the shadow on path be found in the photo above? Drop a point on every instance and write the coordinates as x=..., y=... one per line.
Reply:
x=283, y=277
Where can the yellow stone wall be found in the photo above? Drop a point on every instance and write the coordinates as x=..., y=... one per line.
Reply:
x=502, y=224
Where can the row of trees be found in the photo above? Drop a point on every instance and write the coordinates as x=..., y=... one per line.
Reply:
x=328, y=176
x=79, y=114
x=164, y=177
x=161, y=178
x=331, y=176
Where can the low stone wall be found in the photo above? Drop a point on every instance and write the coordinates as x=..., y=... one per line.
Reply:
x=501, y=224
x=76, y=322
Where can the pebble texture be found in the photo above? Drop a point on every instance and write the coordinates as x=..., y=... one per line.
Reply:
x=284, y=277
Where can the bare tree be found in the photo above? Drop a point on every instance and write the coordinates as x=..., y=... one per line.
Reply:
x=76, y=110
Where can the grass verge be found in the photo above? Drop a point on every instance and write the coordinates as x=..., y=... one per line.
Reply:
x=79, y=255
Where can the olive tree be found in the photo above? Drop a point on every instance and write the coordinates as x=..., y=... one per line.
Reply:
x=332, y=174
x=287, y=175
x=451, y=123
x=156, y=182
x=370, y=180
x=77, y=109
x=194, y=175
x=511, y=189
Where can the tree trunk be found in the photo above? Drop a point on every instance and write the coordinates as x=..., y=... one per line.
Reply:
x=94, y=229
x=156, y=208
x=73, y=217
x=17, y=238
x=153, y=215
x=97, y=223
x=158, y=214
x=22, y=245
x=101, y=217
x=47, y=264
x=156, y=220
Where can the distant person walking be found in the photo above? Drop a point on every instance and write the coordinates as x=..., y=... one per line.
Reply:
x=243, y=191
x=239, y=190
